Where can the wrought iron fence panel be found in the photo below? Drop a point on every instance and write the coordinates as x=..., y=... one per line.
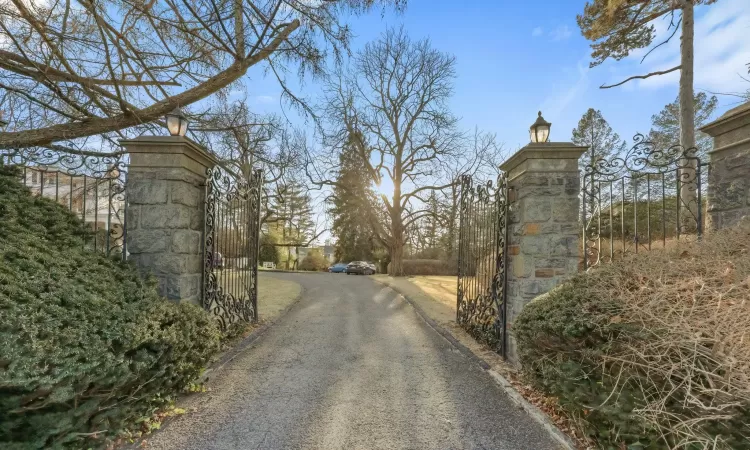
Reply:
x=646, y=198
x=231, y=246
x=90, y=185
x=481, y=294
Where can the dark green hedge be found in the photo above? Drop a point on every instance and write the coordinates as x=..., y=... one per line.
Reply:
x=86, y=346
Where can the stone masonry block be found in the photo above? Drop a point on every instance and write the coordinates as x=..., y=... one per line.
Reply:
x=570, y=228
x=522, y=266
x=535, y=245
x=132, y=216
x=165, y=263
x=732, y=218
x=539, y=191
x=738, y=161
x=530, y=229
x=553, y=263
x=147, y=192
x=544, y=273
x=534, y=180
x=533, y=288
x=171, y=264
x=549, y=228
x=147, y=241
x=730, y=194
x=512, y=289
x=194, y=264
x=165, y=216
x=185, y=194
x=186, y=241
x=180, y=288
x=565, y=210
x=196, y=221
x=572, y=185
x=536, y=210
x=564, y=246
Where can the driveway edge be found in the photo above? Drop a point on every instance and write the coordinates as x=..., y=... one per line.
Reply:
x=232, y=352
x=537, y=414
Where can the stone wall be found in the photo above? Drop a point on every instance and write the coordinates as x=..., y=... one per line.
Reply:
x=728, y=195
x=543, y=230
x=165, y=213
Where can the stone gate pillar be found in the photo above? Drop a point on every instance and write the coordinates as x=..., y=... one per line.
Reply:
x=165, y=212
x=543, y=226
x=728, y=192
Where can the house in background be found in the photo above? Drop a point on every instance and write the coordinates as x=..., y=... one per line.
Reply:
x=98, y=200
x=326, y=251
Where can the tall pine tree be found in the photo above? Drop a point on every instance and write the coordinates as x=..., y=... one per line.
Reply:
x=352, y=210
x=292, y=221
x=665, y=131
x=594, y=131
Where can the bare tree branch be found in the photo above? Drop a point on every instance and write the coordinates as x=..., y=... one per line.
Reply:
x=641, y=77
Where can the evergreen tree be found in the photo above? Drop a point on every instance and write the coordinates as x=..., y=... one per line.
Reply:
x=665, y=131
x=292, y=220
x=594, y=132
x=352, y=206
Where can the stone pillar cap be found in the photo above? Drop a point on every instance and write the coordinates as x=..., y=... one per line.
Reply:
x=730, y=120
x=544, y=150
x=170, y=145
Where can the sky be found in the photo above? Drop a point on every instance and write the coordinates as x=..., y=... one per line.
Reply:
x=515, y=58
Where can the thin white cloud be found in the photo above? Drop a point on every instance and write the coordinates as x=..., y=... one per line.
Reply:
x=538, y=31
x=264, y=99
x=561, y=33
x=722, y=50
x=555, y=106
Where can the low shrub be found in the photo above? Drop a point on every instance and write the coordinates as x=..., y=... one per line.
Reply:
x=650, y=351
x=87, y=348
x=414, y=267
x=313, y=261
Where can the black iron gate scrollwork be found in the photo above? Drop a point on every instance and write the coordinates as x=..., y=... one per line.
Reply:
x=481, y=295
x=648, y=196
x=89, y=185
x=231, y=237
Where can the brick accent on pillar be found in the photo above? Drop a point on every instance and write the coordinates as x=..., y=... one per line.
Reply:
x=543, y=229
x=728, y=193
x=165, y=212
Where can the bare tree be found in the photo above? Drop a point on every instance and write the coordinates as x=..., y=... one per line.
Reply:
x=79, y=68
x=480, y=158
x=391, y=110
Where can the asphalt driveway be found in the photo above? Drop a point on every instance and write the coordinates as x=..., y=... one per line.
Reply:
x=351, y=366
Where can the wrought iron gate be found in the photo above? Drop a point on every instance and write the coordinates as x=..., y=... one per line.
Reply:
x=89, y=185
x=481, y=299
x=647, y=197
x=231, y=236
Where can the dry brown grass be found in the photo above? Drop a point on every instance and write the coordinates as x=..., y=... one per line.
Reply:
x=693, y=302
x=442, y=289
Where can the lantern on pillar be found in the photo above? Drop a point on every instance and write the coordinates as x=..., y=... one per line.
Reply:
x=177, y=123
x=540, y=129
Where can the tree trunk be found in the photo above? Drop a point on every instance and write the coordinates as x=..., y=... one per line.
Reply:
x=397, y=230
x=687, y=173
x=397, y=260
